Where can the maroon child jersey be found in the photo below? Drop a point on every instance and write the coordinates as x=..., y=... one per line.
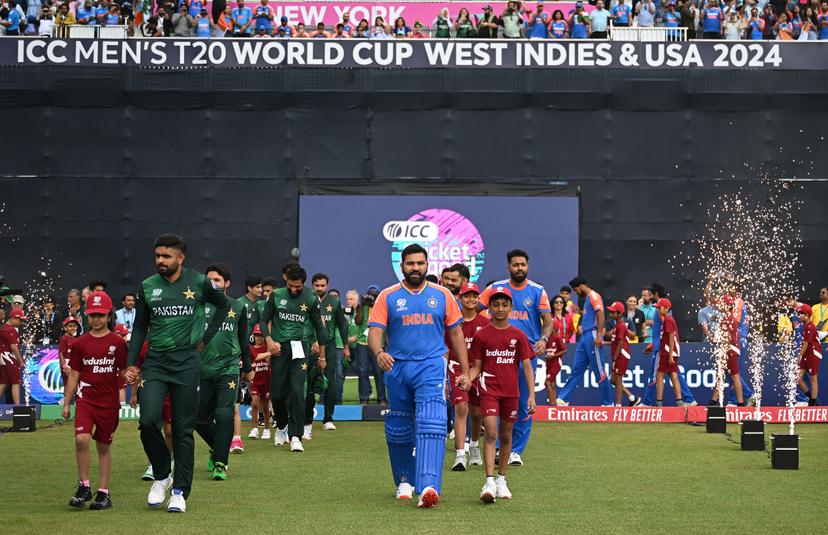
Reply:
x=555, y=344
x=8, y=337
x=65, y=345
x=668, y=325
x=99, y=360
x=469, y=330
x=261, y=367
x=501, y=351
x=620, y=333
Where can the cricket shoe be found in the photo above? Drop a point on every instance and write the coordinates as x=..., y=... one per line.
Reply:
x=751, y=401
x=236, y=445
x=308, y=434
x=405, y=491
x=177, y=503
x=450, y=435
x=296, y=444
x=219, y=472
x=281, y=437
x=459, y=463
x=101, y=501
x=502, y=490
x=561, y=403
x=329, y=426
x=428, y=498
x=474, y=456
x=254, y=433
x=158, y=491
x=266, y=434
x=148, y=474
x=514, y=459
x=82, y=495
x=489, y=492
x=693, y=403
x=635, y=402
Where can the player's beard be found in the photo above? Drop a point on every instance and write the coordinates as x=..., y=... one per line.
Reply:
x=166, y=271
x=518, y=277
x=413, y=278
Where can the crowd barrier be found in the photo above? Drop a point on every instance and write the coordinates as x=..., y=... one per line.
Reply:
x=647, y=35
x=85, y=31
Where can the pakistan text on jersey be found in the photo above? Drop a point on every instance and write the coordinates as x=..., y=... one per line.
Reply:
x=299, y=318
x=173, y=310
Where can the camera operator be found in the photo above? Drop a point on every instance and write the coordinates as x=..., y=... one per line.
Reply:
x=365, y=361
x=182, y=22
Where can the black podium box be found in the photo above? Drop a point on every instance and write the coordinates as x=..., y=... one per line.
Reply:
x=24, y=418
x=753, y=435
x=785, y=452
x=716, y=420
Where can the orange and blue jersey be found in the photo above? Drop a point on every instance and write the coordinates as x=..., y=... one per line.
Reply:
x=529, y=301
x=415, y=322
x=592, y=304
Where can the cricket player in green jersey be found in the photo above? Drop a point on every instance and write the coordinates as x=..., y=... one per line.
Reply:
x=282, y=323
x=170, y=305
x=334, y=319
x=220, y=375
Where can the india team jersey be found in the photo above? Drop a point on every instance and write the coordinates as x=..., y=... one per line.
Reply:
x=470, y=328
x=501, y=351
x=592, y=305
x=415, y=323
x=668, y=326
x=620, y=335
x=8, y=337
x=529, y=302
x=99, y=360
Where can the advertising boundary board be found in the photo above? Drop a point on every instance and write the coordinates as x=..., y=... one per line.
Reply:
x=417, y=53
x=545, y=413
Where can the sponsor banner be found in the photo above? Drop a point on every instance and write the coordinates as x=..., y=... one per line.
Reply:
x=342, y=413
x=630, y=415
x=416, y=53
x=7, y=411
x=695, y=363
x=312, y=12
x=770, y=415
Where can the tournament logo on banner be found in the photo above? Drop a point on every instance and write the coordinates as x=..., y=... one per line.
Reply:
x=449, y=237
x=43, y=369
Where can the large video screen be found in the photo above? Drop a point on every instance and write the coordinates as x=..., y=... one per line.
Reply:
x=357, y=240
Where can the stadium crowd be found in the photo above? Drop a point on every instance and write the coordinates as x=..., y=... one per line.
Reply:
x=709, y=19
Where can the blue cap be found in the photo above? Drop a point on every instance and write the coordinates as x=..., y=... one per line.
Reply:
x=374, y=287
x=284, y=19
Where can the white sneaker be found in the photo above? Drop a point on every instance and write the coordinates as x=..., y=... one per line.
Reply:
x=561, y=403
x=502, y=490
x=281, y=437
x=474, y=456
x=428, y=498
x=694, y=404
x=450, y=435
x=177, y=503
x=329, y=426
x=405, y=491
x=489, y=492
x=515, y=460
x=459, y=463
x=308, y=434
x=254, y=433
x=265, y=434
x=158, y=491
x=296, y=444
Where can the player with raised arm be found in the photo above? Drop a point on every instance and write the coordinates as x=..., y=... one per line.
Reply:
x=415, y=314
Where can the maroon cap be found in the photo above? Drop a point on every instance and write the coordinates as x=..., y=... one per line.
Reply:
x=469, y=287
x=616, y=306
x=121, y=329
x=500, y=290
x=18, y=313
x=71, y=319
x=98, y=303
x=664, y=302
x=257, y=329
x=804, y=309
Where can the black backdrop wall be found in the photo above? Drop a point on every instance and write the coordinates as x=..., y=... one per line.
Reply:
x=98, y=161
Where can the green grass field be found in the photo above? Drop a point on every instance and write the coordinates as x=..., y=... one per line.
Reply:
x=622, y=478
